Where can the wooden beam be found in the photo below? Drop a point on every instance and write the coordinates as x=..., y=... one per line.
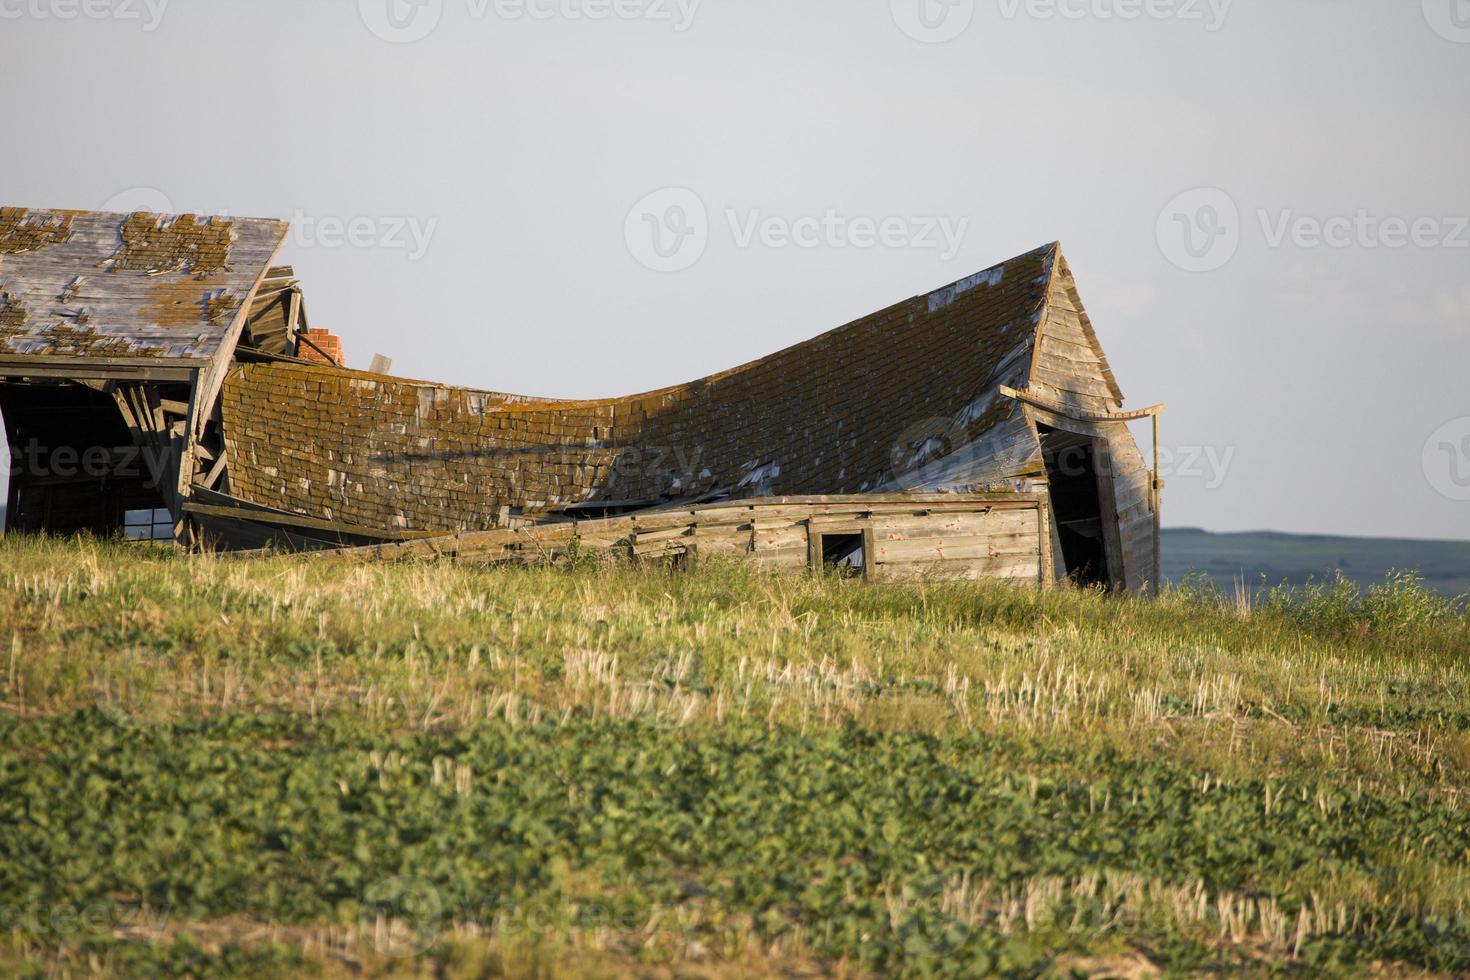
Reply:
x=73, y=369
x=215, y=471
x=1067, y=413
x=304, y=523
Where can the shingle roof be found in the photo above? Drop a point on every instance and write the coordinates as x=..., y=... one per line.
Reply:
x=90, y=285
x=871, y=405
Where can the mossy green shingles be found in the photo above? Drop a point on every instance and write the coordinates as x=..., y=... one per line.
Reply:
x=822, y=417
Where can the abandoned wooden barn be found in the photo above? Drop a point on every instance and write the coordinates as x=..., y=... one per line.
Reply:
x=157, y=372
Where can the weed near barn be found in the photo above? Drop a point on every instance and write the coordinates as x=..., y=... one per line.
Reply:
x=216, y=766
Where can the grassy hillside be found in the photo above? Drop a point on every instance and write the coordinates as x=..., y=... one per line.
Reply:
x=231, y=767
x=1297, y=558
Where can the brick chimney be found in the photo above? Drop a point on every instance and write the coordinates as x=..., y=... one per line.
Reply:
x=324, y=339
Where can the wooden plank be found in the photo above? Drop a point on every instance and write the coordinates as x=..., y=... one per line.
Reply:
x=295, y=521
x=994, y=525
x=786, y=557
x=1108, y=505
x=211, y=479
x=669, y=534
x=777, y=539
x=949, y=549
x=1048, y=568
x=1025, y=569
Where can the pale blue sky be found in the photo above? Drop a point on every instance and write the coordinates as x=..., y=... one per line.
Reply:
x=1304, y=380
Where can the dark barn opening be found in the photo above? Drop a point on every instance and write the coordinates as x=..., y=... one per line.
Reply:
x=1077, y=508
x=74, y=466
x=843, y=553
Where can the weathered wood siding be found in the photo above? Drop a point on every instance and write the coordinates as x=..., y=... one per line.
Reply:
x=1005, y=544
x=1071, y=371
x=913, y=537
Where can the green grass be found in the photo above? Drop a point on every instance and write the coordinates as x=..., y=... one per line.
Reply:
x=219, y=767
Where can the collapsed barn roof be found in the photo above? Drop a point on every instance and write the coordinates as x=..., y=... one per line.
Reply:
x=909, y=397
x=951, y=391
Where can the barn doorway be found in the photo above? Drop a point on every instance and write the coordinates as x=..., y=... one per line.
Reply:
x=1076, y=480
x=74, y=466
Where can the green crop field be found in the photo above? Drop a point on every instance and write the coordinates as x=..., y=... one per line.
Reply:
x=273, y=767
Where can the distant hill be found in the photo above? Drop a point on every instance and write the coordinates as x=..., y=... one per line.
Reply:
x=1296, y=558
